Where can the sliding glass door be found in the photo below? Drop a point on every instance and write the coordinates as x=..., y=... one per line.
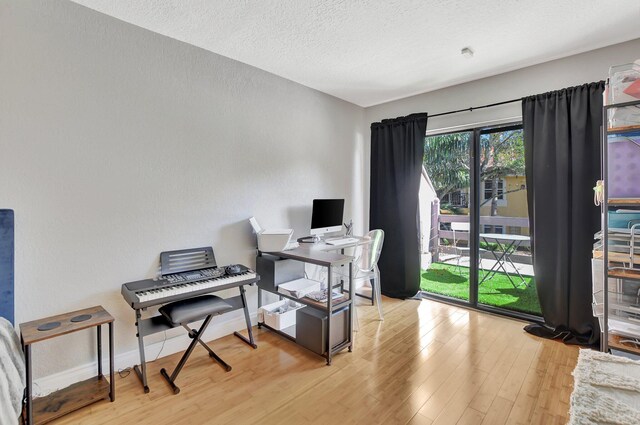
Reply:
x=445, y=193
x=505, y=272
x=479, y=250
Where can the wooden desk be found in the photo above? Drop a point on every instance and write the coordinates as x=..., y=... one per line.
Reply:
x=78, y=395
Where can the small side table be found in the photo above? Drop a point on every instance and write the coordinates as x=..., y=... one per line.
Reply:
x=80, y=394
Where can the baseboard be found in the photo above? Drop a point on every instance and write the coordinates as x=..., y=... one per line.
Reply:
x=48, y=384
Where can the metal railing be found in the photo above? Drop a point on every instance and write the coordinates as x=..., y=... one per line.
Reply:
x=437, y=233
x=484, y=220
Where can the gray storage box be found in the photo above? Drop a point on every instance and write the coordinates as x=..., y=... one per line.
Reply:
x=311, y=327
x=275, y=270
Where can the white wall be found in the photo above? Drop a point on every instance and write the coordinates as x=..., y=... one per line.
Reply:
x=117, y=143
x=571, y=71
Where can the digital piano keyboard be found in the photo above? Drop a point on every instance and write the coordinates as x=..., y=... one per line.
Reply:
x=185, y=274
x=178, y=286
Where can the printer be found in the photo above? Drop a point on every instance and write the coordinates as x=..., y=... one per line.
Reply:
x=273, y=240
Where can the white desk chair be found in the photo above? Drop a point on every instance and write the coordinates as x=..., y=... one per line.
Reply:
x=365, y=268
x=461, y=250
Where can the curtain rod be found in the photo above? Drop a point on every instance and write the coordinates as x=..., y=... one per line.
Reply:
x=473, y=108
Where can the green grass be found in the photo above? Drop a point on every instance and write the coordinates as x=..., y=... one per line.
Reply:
x=445, y=279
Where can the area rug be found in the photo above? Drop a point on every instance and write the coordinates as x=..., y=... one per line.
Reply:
x=606, y=390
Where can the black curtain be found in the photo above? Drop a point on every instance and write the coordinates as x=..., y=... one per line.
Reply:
x=562, y=154
x=397, y=148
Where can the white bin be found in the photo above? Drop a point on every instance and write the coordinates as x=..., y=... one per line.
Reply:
x=270, y=315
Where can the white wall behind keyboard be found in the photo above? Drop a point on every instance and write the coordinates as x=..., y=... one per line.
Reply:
x=117, y=143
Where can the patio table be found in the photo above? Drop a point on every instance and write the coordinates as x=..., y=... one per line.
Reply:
x=508, y=244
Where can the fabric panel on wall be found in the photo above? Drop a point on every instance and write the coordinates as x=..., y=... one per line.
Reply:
x=562, y=154
x=397, y=150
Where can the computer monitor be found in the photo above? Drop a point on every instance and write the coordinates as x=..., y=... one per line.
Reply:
x=326, y=216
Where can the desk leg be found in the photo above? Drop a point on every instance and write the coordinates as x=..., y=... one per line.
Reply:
x=247, y=319
x=352, y=306
x=99, y=331
x=330, y=312
x=29, y=403
x=259, y=304
x=112, y=382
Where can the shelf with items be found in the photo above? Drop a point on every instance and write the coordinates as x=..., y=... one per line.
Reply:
x=622, y=118
x=624, y=307
x=313, y=334
x=616, y=258
x=623, y=319
x=324, y=326
x=623, y=174
x=624, y=202
x=616, y=264
x=623, y=324
x=336, y=303
x=613, y=131
x=621, y=343
x=624, y=273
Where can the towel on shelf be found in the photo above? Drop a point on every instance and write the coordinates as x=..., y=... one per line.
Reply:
x=12, y=374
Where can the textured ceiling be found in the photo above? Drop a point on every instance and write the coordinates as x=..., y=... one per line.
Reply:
x=372, y=51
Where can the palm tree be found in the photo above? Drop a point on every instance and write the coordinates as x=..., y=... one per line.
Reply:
x=447, y=161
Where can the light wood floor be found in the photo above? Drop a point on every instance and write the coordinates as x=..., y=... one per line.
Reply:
x=427, y=363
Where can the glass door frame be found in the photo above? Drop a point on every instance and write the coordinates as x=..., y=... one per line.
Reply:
x=474, y=232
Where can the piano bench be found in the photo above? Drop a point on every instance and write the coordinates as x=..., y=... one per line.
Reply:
x=192, y=309
x=181, y=313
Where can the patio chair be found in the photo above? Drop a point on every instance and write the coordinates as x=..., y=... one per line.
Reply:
x=461, y=250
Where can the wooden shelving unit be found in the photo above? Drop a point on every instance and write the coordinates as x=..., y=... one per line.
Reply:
x=59, y=403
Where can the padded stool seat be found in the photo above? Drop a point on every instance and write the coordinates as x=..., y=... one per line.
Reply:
x=192, y=309
x=181, y=313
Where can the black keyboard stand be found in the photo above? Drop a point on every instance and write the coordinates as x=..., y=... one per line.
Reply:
x=247, y=319
x=186, y=311
x=155, y=324
x=178, y=267
x=195, y=335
